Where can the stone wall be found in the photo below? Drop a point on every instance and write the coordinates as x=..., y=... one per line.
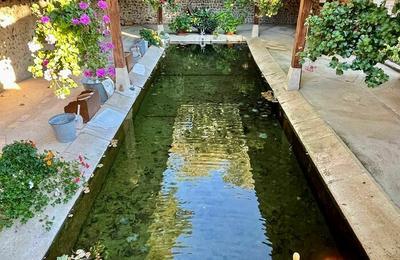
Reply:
x=17, y=24
x=137, y=12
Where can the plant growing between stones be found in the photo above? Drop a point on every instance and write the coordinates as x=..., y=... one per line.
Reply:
x=30, y=180
x=357, y=35
x=70, y=37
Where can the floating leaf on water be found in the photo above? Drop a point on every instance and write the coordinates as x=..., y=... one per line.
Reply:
x=263, y=135
x=254, y=110
x=246, y=116
x=100, y=165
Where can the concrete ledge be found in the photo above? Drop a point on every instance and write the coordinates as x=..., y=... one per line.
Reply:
x=373, y=218
x=31, y=240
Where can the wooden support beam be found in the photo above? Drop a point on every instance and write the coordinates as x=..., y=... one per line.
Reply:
x=301, y=32
x=160, y=15
x=122, y=77
x=115, y=27
x=256, y=18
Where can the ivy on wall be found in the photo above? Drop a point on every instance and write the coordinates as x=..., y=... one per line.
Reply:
x=357, y=35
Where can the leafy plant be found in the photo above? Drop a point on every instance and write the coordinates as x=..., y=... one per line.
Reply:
x=151, y=36
x=181, y=23
x=205, y=20
x=228, y=22
x=155, y=4
x=70, y=37
x=269, y=7
x=30, y=180
x=359, y=31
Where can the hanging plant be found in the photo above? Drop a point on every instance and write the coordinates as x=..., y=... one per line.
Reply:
x=269, y=7
x=357, y=35
x=69, y=38
x=155, y=4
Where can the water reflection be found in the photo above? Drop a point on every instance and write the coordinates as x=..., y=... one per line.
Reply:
x=206, y=172
x=209, y=137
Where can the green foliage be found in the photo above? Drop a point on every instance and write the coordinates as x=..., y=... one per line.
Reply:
x=181, y=23
x=358, y=28
x=228, y=22
x=155, y=4
x=67, y=40
x=269, y=7
x=30, y=180
x=151, y=36
x=205, y=20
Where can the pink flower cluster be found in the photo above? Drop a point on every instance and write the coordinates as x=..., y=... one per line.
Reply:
x=106, y=46
x=100, y=73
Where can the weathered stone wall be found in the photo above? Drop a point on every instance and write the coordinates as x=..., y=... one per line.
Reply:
x=17, y=24
x=137, y=12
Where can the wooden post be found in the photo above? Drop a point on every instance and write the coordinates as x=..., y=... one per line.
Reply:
x=160, y=26
x=301, y=31
x=294, y=75
x=256, y=21
x=160, y=15
x=122, y=77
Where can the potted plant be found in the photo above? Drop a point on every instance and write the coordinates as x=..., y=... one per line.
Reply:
x=181, y=24
x=68, y=39
x=150, y=36
x=205, y=20
x=228, y=22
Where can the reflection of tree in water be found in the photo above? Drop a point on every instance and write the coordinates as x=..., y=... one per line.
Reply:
x=210, y=137
x=169, y=222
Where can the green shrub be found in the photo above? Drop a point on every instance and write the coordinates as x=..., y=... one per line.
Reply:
x=359, y=29
x=228, y=22
x=30, y=180
x=181, y=23
x=205, y=19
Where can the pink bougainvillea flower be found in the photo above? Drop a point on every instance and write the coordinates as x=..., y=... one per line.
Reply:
x=106, y=46
x=75, y=21
x=83, y=5
x=76, y=180
x=163, y=1
x=101, y=73
x=45, y=19
x=111, y=71
x=106, y=19
x=45, y=62
x=102, y=4
x=84, y=19
x=87, y=73
x=87, y=165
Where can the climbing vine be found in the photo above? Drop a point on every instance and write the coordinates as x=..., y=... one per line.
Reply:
x=357, y=35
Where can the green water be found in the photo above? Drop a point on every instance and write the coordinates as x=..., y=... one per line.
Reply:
x=205, y=171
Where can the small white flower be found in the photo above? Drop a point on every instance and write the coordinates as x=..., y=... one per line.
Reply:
x=47, y=75
x=50, y=39
x=86, y=190
x=65, y=73
x=30, y=183
x=34, y=46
